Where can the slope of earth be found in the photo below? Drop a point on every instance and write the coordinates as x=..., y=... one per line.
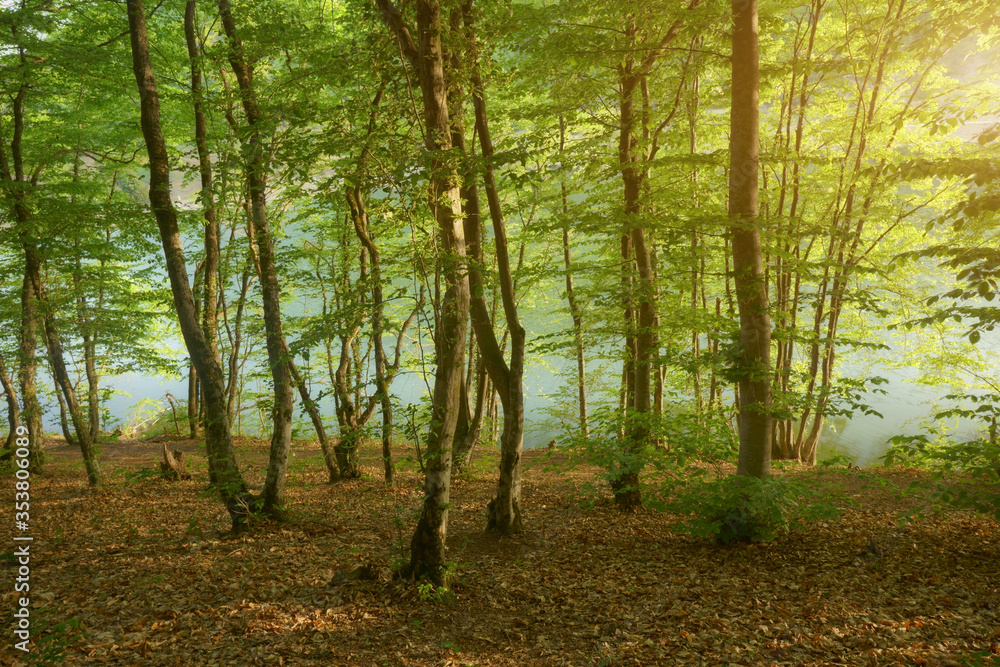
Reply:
x=144, y=572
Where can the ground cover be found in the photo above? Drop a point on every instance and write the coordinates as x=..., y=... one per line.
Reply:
x=145, y=572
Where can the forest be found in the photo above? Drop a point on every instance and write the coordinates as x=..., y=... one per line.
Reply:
x=500, y=332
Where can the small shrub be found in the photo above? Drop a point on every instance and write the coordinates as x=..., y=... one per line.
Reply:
x=437, y=594
x=193, y=528
x=141, y=475
x=836, y=460
x=746, y=509
x=965, y=474
x=53, y=640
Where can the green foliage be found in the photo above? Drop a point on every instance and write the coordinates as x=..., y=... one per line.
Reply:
x=979, y=659
x=745, y=509
x=966, y=473
x=52, y=640
x=141, y=475
x=437, y=594
x=150, y=417
x=193, y=528
x=836, y=460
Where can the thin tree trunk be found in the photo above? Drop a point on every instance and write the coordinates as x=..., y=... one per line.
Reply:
x=232, y=388
x=350, y=420
x=13, y=411
x=273, y=493
x=12, y=172
x=89, y=355
x=192, y=404
x=504, y=511
x=641, y=341
x=63, y=416
x=81, y=427
x=359, y=215
x=210, y=278
x=218, y=439
x=574, y=309
x=317, y=421
x=93, y=383
x=468, y=436
x=697, y=253
x=61, y=376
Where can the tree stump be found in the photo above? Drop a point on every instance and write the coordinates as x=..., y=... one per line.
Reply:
x=172, y=467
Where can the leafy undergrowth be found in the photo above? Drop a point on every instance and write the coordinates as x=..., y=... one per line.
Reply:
x=144, y=573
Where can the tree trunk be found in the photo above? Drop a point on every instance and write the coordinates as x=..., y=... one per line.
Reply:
x=93, y=384
x=210, y=278
x=359, y=215
x=504, y=511
x=192, y=404
x=27, y=373
x=748, y=269
x=574, y=309
x=427, y=548
x=89, y=345
x=13, y=411
x=317, y=421
x=273, y=494
x=12, y=173
x=61, y=376
x=218, y=439
x=469, y=433
x=81, y=427
x=626, y=482
x=232, y=388
x=349, y=419
x=63, y=416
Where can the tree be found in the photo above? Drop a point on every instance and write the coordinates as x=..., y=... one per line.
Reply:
x=218, y=439
x=748, y=266
x=273, y=494
x=504, y=511
x=636, y=243
x=426, y=60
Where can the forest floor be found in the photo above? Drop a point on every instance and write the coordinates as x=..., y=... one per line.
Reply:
x=145, y=572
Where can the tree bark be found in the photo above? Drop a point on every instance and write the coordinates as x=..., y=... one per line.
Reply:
x=427, y=548
x=640, y=349
x=748, y=270
x=27, y=374
x=218, y=439
x=81, y=427
x=384, y=372
x=504, y=511
x=210, y=279
x=63, y=416
x=471, y=421
x=172, y=467
x=12, y=172
x=317, y=421
x=574, y=309
x=89, y=346
x=273, y=494
x=13, y=411
x=641, y=341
